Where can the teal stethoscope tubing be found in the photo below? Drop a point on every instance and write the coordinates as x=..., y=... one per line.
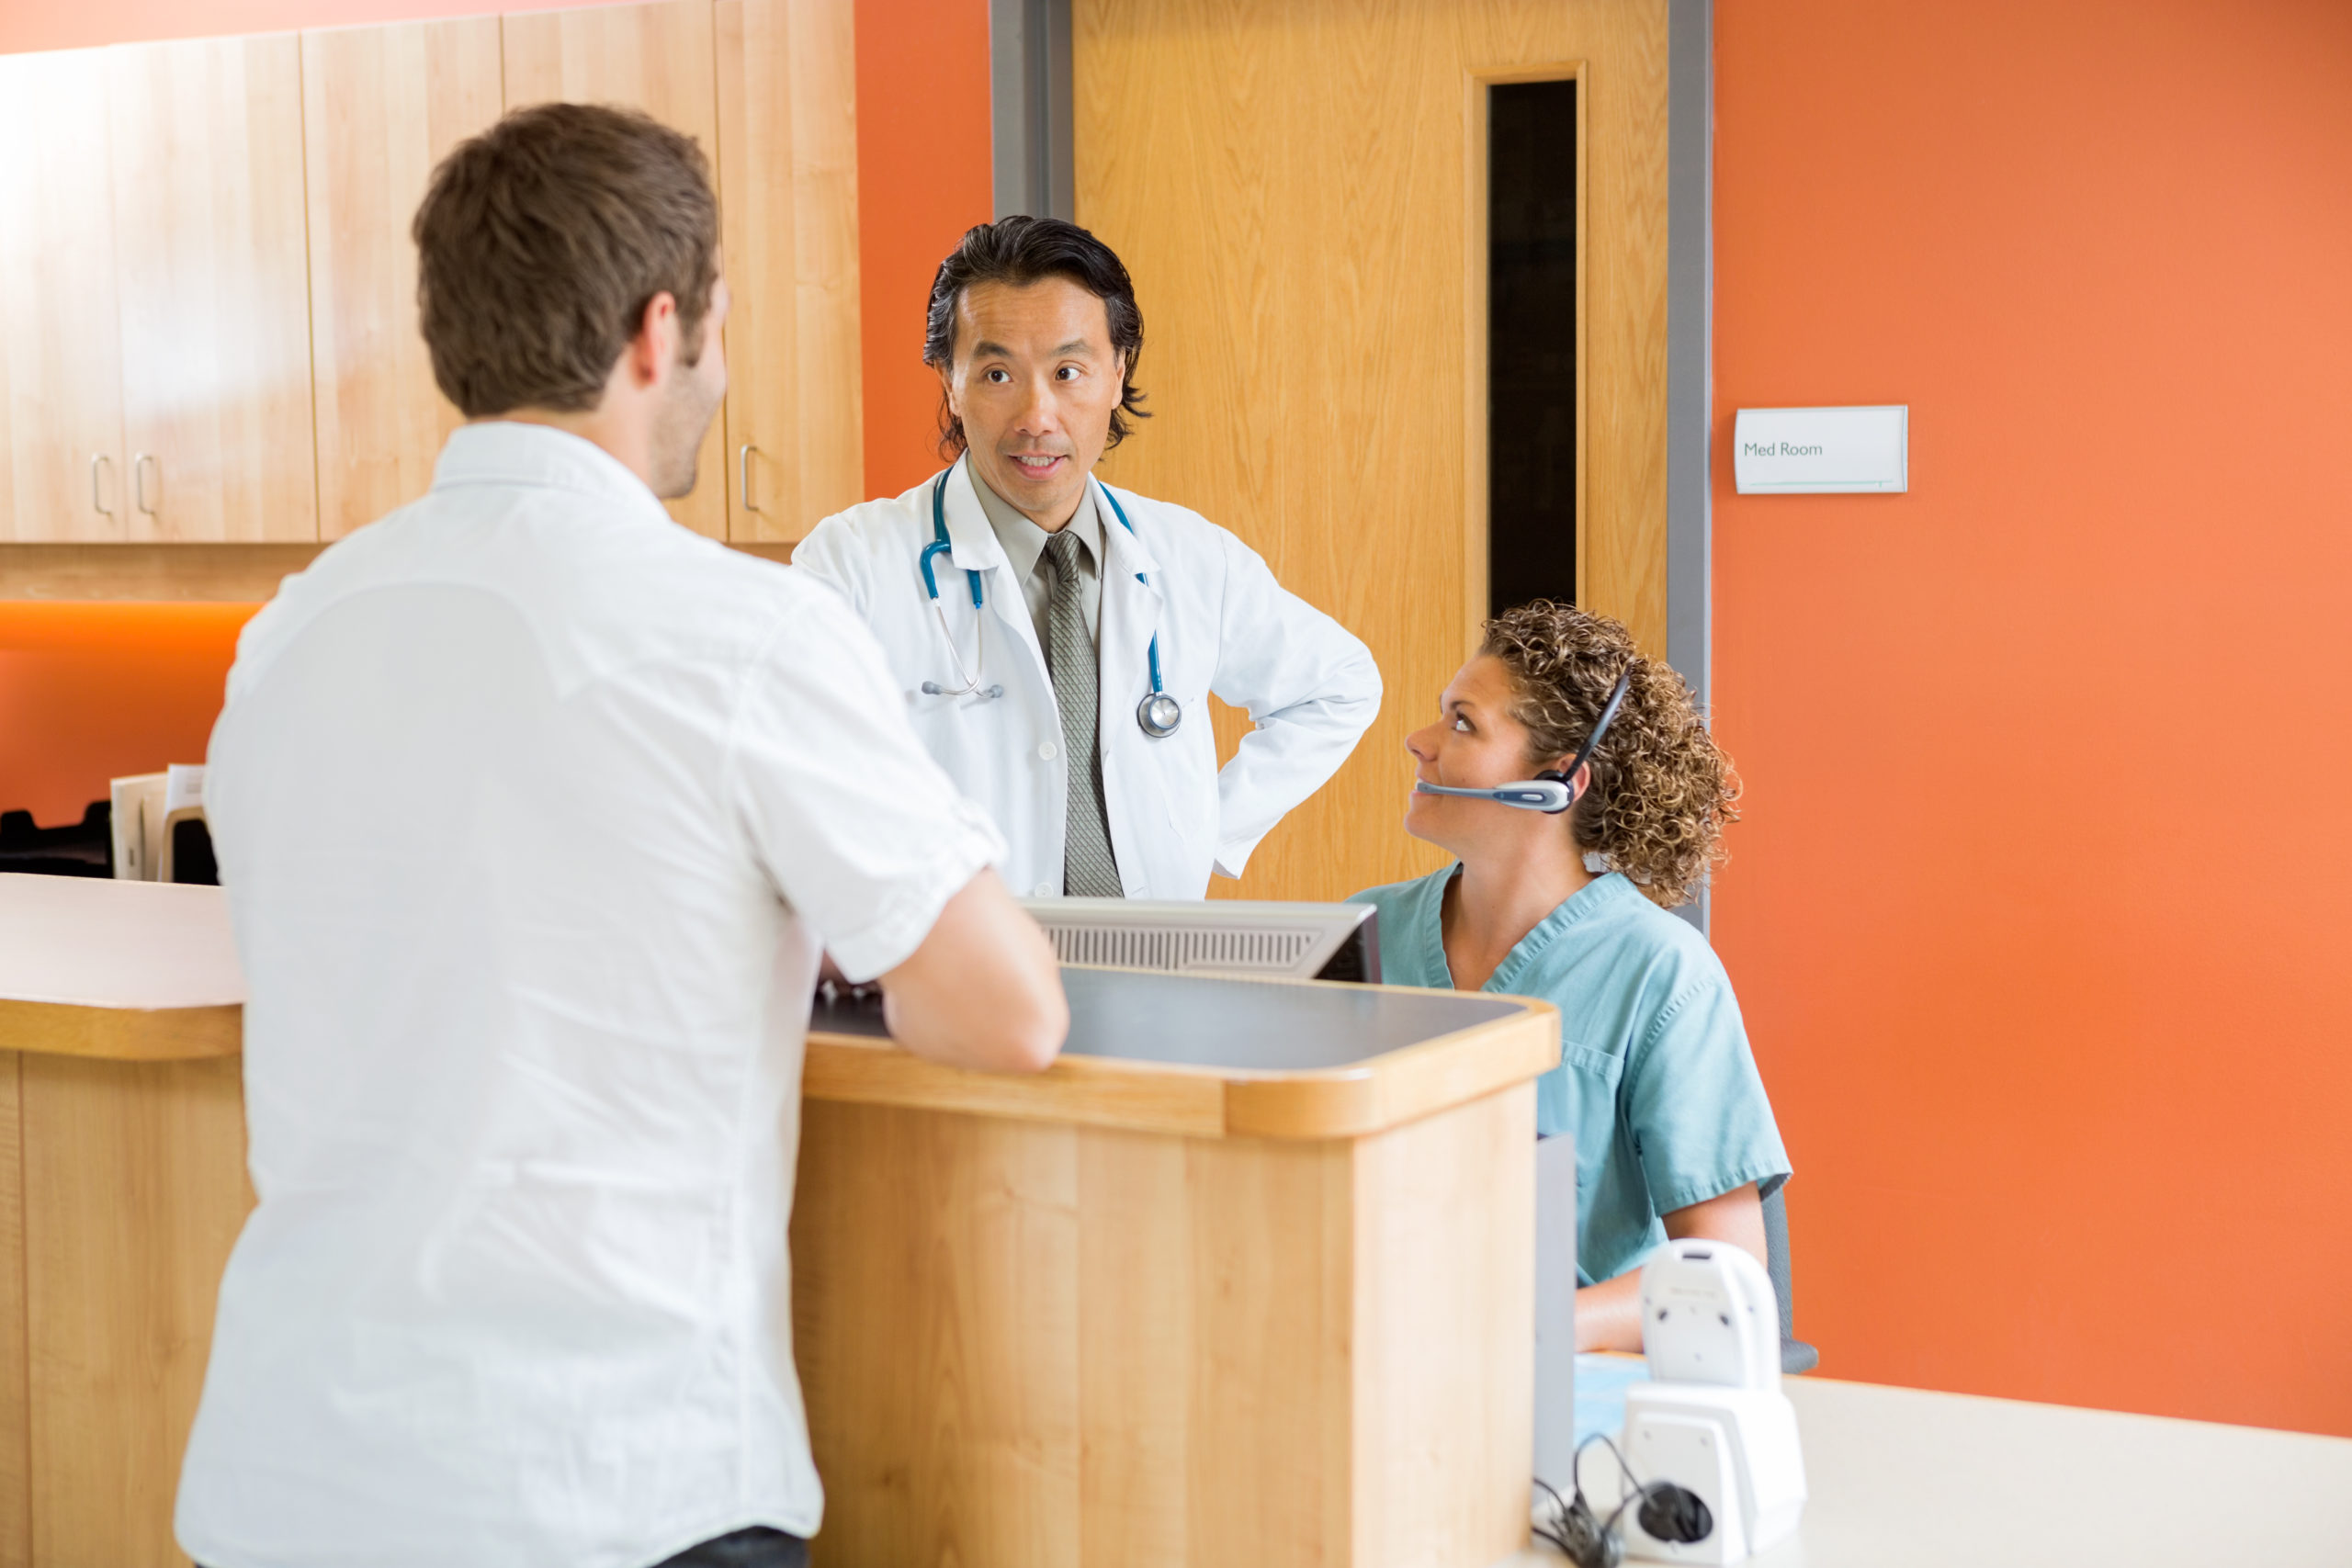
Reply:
x=1159, y=714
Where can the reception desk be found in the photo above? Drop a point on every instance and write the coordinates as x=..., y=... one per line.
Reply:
x=1244, y=1278
x=122, y=1186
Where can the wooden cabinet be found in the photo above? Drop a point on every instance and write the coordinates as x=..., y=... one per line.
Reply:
x=787, y=175
x=210, y=276
x=62, y=465
x=207, y=290
x=657, y=58
x=380, y=107
x=152, y=265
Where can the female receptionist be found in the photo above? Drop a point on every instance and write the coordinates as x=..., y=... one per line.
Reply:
x=1674, y=1136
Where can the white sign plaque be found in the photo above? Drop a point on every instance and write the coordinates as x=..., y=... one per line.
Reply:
x=1810, y=451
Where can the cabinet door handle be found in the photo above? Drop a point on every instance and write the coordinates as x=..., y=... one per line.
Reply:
x=98, y=500
x=139, y=481
x=743, y=476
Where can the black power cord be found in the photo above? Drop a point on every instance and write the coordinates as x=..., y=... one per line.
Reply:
x=1668, y=1511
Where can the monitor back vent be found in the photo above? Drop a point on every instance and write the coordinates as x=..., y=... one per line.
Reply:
x=1224, y=949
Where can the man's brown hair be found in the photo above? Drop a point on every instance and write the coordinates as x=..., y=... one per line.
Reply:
x=540, y=244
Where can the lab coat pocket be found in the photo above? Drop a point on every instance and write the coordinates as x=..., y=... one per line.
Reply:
x=953, y=728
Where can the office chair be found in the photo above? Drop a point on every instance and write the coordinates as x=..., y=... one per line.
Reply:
x=1796, y=1356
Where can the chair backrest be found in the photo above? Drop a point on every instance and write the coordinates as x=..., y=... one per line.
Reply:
x=1796, y=1356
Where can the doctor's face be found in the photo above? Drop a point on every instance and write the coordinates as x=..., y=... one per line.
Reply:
x=1475, y=744
x=1034, y=380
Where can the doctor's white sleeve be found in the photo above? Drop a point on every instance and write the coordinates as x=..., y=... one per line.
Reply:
x=826, y=554
x=1312, y=690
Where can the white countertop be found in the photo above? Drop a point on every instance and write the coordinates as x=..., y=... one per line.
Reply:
x=93, y=941
x=1906, y=1478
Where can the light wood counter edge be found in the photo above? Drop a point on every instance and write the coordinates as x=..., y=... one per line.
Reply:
x=1400, y=1085
x=1098, y=1091
x=122, y=1035
x=1201, y=1101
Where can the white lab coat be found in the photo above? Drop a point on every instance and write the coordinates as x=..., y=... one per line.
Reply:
x=1225, y=626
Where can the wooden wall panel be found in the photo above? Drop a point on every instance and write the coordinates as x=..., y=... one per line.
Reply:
x=380, y=107
x=135, y=1188
x=788, y=142
x=936, y=1260
x=1445, y=1332
x=61, y=354
x=1293, y=186
x=16, y=1437
x=1268, y=1472
x=1026, y=1345
x=657, y=58
x=213, y=277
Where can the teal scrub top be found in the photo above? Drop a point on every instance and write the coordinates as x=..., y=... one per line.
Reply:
x=1656, y=1078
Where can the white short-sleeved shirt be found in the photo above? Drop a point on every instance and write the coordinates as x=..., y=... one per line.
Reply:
x=534, y=812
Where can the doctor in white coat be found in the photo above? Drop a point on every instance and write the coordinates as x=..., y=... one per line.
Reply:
x=1055, y=640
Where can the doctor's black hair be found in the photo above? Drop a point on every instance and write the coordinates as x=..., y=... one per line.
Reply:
x=1023, y=250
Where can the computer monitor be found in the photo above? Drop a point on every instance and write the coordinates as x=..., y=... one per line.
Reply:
x=1220, y=936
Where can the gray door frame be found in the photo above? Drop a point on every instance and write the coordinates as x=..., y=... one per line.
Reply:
x=1029, y=109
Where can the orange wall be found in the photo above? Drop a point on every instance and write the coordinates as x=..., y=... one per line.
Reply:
x=92, y=691
x=923, y=179
x=2038, y=914
x=88, y=693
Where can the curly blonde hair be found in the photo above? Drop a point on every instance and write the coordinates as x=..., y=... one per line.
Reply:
x=1662, y=790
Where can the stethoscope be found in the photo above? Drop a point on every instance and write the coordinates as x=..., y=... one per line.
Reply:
x=1552, y=790
x=1158, y=714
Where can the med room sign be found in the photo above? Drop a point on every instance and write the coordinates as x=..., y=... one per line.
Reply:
x=1818, y=451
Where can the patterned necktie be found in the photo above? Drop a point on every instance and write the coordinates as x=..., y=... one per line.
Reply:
x=1089, y=869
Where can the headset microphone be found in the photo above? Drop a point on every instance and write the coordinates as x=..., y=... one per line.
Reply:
x=1545, y=794
x=1550, y=791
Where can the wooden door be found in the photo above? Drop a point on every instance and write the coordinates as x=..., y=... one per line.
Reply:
x=657, y=58
x=61, y=469
x=380, y=107
x=787, y=167
x=1296, y=187
x=212, y=269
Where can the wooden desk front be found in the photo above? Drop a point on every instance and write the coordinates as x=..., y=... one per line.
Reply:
x=1244, y=1279
x=1160, y=1307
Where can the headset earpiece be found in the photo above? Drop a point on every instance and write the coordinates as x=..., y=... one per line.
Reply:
x=1555, y=775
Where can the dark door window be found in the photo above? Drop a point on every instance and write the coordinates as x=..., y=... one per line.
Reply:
x=1531, y=343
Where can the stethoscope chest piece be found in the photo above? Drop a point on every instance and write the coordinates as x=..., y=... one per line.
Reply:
x=1159, y=714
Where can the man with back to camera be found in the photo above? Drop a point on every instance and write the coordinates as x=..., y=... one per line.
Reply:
x=1055, y=640
x=534, y=812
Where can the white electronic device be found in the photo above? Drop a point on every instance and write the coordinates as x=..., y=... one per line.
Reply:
x=1712, y=1420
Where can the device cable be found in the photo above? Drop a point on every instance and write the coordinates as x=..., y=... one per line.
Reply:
x=1590, y=1541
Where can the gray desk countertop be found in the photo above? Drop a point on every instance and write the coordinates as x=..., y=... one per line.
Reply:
x=1207, y=1022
